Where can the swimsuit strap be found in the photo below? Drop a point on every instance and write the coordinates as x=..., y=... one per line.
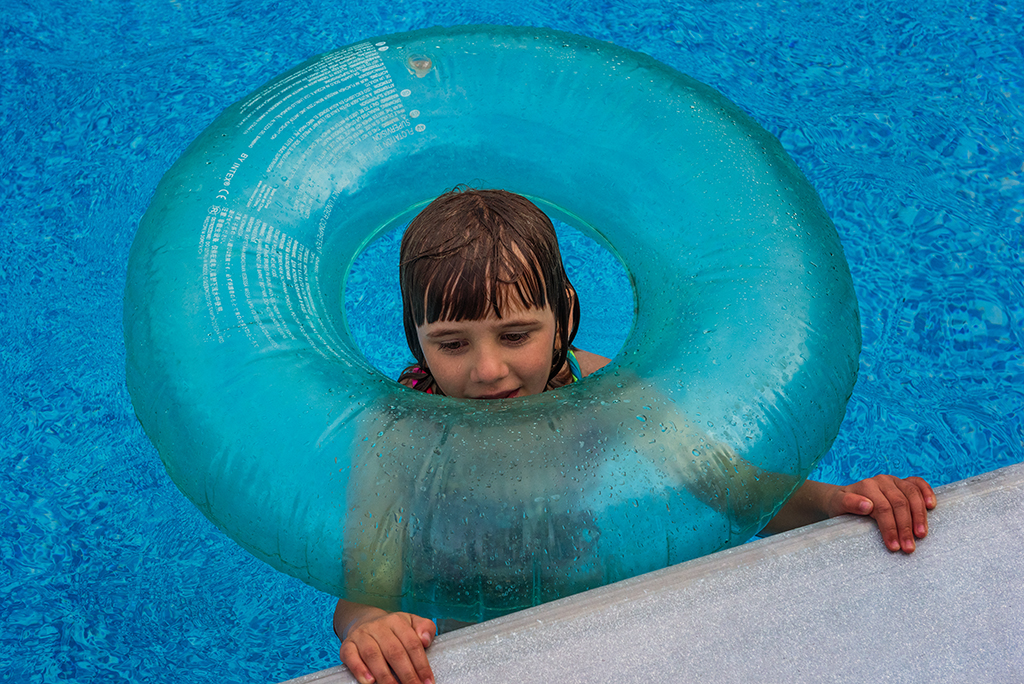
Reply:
x=574, y=367
x=417, y=369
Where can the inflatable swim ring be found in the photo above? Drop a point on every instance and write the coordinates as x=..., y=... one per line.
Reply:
x=731, y=385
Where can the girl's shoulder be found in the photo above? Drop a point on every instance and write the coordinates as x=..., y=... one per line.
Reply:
x=590, y=363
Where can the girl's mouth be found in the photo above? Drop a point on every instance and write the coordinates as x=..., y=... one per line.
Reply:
x=501, y=395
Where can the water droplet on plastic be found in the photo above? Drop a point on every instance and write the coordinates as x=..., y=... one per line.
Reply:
x=419, y=65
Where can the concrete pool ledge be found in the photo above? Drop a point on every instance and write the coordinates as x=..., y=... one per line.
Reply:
x=824, y=603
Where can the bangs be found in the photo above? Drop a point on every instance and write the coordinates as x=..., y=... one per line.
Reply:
x=466, y=283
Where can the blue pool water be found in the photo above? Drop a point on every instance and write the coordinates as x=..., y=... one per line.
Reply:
x=906, y=116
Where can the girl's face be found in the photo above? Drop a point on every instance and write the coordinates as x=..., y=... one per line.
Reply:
x=491, y=358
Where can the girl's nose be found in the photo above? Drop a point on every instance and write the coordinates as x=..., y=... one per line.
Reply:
x=488, y=368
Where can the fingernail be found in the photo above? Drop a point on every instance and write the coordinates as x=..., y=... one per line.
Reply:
x=893, y=545
x=864, y=507
x=921, y=531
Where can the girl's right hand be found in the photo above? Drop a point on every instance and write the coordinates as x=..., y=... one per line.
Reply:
x=383, y=646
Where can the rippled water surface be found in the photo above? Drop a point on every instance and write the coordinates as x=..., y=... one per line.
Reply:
x=905, y=116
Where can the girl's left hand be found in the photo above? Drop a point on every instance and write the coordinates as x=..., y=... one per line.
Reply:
x=899, y=506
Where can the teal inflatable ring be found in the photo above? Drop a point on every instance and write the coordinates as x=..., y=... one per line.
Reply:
x=731, y=385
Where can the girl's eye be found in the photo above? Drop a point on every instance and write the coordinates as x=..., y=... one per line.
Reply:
x=516, y=338
x=452, y=346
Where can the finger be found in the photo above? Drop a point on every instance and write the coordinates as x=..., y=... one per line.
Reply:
x=918, y=506
x=855, y=504
x=383, y=655
x=376, y=661
x=350, y=657
x=930, y=500
x=900, y=507
x=412, y=642
x=398, y=652
x=426, y=629
x=881, y=511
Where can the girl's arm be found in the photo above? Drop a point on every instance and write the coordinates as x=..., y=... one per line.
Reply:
x=383, y=647
x=899, y=507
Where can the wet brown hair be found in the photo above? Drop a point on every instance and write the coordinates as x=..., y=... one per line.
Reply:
x=471, y=251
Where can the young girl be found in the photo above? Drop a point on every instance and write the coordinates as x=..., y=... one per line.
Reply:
x=489, y=313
